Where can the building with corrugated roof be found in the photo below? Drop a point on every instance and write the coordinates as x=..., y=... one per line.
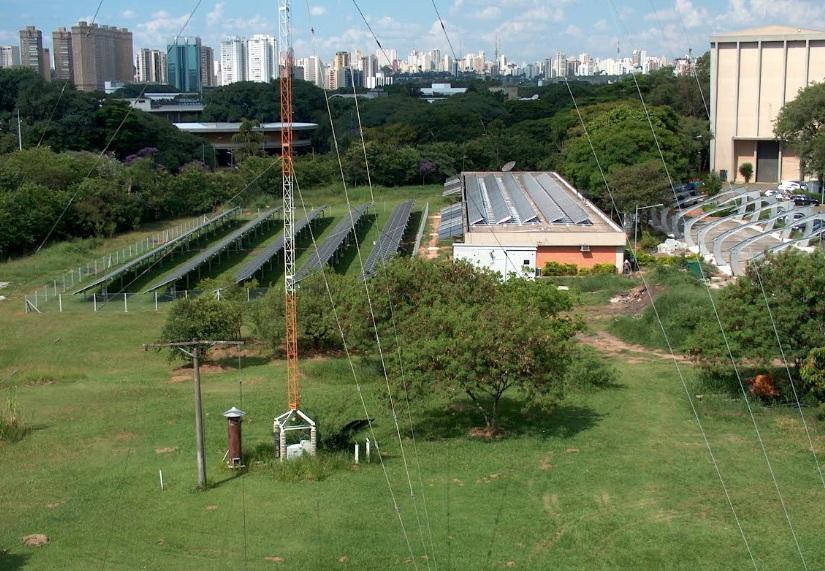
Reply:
x=516, y=222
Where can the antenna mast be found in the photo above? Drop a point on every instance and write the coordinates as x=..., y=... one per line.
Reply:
x=293, y=419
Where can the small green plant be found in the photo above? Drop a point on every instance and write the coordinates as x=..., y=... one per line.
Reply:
x=648, y=241
x=599, y=270
x=12, y=428
x=746, y=170
x=712, y=184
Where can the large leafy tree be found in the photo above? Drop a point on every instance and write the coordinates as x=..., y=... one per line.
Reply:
x=204, y=317
x=621, y=136
x=641, y=184
x=801, y=125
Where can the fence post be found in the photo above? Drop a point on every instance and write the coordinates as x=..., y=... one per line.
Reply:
x=60, y=302
x=125, y=306
x=247, y=295
x=186, y=293
x=46, y=292
x=26, y=303
x=36, y=302
x=95, y=265
x=94, y=301
x=156, y=300
x=54, y=284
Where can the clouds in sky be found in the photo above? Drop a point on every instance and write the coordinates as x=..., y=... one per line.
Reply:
x=525, y=29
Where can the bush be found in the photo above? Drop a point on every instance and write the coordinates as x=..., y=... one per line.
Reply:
x=558, y=269
x=648, y=241
x=598, y=270
x=746, y=170
x=12, y=428
x=712, y=184
x=588, y=371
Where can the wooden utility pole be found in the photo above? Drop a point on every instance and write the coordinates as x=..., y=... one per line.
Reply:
x=193, y=349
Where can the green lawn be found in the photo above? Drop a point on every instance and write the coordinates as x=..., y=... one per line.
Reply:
x=612, y=479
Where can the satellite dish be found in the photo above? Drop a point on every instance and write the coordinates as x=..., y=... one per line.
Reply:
x=508, y=167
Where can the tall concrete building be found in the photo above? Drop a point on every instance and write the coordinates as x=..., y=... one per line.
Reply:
x=32, y=53
x=9, y=56
x=753, y=73
x=341, y=60
x=233, y=60
x=314, y=70
x=207, y=67
x=183, y=67
x=63, y=59
x=101, y=54
x=261, y=58
x=151, y=66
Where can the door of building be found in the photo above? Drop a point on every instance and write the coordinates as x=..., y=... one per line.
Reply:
x=767, y=161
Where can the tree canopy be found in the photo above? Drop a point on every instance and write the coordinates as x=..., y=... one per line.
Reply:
x=801, y=124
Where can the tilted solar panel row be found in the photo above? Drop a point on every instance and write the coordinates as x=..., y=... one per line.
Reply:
x=250, y=268
x=390, y=238
x=526, y=212
x=452, y=186
x=573, y=211
x=163, y=249
x=327, y=250
x=551, y=211
x=476, y=213
x=213, y=250
x=452, y=222
x=501, y=212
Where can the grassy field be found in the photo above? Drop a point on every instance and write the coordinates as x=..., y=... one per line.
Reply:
x=612, y=479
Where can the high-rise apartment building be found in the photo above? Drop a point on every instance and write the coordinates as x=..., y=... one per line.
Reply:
x=341, y=60
x=261, y=58
x=314, y=70
x=9, y=56
x=151, y=66
x=63, y=59
x=233, y=60
x=101, y=54
x=207, y=67
x=32, y=54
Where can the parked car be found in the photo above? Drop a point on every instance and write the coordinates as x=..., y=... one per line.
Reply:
x=804, y=200
x=793, y=185
x=776, y=193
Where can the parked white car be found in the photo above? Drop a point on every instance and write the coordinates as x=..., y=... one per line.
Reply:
x=793, y=186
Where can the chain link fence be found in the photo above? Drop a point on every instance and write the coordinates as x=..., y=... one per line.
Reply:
x=43, y=302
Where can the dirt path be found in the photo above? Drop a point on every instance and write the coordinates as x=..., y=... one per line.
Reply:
x=610, y=344
x=430, y=251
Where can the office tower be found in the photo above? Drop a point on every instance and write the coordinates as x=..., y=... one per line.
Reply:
x=31, y=52
x=183, y=67
x=62, y=46
x=341, y=60
x=101, y=54
x=233, y=60
x=314, y=70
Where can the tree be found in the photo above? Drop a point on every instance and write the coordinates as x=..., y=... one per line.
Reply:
x=204, y=317
x=249, y=139
x=642, y=184
x=746, y=170
x=813, y=370
x=801, y=125
x=794, y=282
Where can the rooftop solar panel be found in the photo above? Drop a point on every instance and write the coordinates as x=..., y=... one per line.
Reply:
x=501, y=212
x=548, y=207
x=524, y=209
x=574, y=212
x=476, y=213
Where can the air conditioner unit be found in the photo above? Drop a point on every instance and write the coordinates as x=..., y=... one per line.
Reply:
x=584, y=248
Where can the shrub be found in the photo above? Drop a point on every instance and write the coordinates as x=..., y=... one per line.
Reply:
x=12, y=428
x=712, y=184
x=602, y=269
x=559, y=269
x=587, y=371
x=648, y=241
x=746, y=170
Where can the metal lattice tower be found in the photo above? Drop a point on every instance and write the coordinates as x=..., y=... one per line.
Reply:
x=293, y=419
x=288, y=176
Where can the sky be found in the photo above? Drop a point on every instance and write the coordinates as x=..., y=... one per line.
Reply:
x=527, y=30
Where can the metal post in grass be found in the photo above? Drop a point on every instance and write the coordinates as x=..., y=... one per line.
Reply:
x=60, y=302
x=193, y=349
x=125, y=305
x=156, y=299
x=94, y=301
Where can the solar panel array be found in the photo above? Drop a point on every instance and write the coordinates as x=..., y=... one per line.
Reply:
x=252, y=266
x=525, y=211
x=476, y=211
x=333, y=242
x=213, y=250
x=495, y=198
x=452, y=187
x=452, y=222
x=390, y=238
x=571, y=208
x=161, y=250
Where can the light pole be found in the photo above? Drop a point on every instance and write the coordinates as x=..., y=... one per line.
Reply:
x=636, y=222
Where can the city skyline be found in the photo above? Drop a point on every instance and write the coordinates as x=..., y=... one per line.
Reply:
x=527, y=30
